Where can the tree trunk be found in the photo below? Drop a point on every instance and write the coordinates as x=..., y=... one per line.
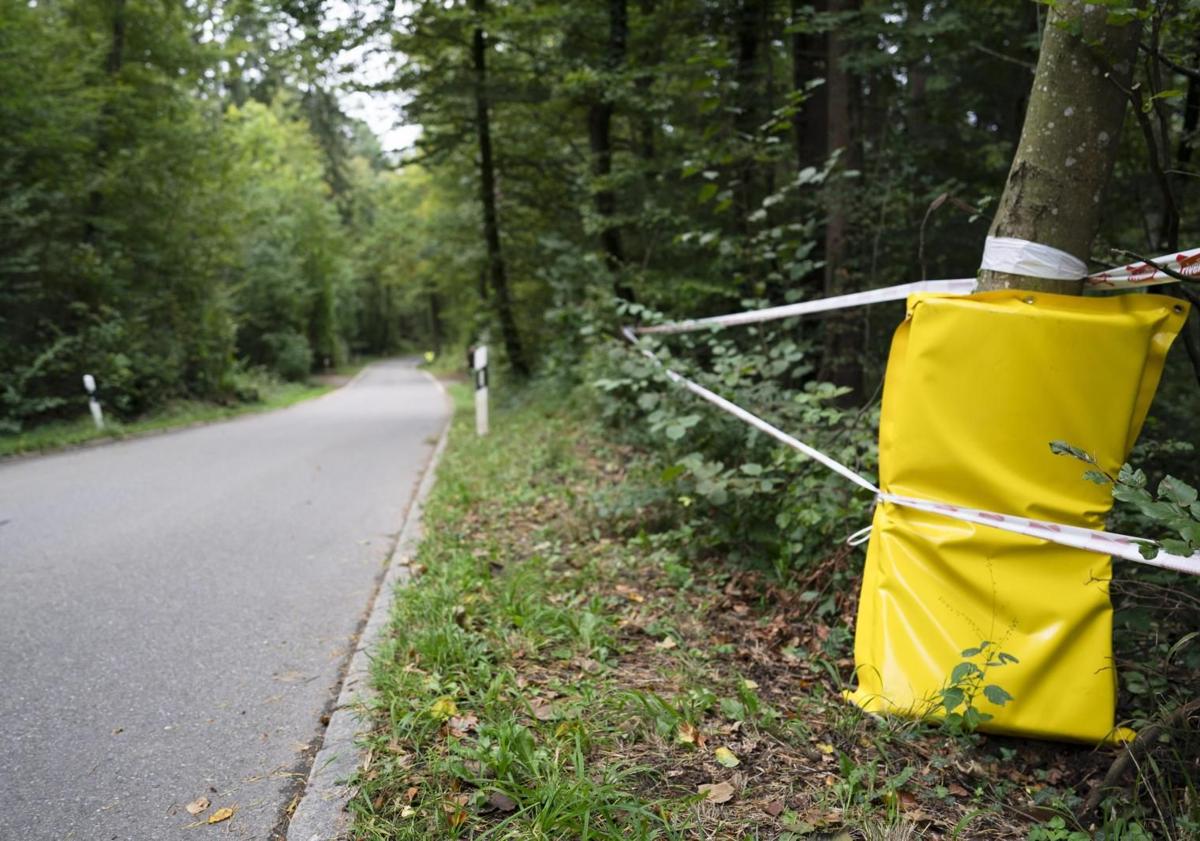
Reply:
x=600, y=115
x=1069, y=141
x=809, y=134
x=487, y=195
x=841, y=362
x=747, y=117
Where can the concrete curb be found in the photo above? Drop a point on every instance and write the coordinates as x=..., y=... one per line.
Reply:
x=321, y=813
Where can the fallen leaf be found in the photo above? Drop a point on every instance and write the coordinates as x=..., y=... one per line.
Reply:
x=629, y=593
x=543, y=711
x=716, y=792
x=443, y=708
x=825, y=748
x=500, y=800
x=666, y=643
x=689, y=734
x=198, y=805
x=410, y=794
x=456, y=817
x=222, y=814
x=749, y=684
x=462, y=725
x=774, y=808
x=957, y=790
x=727, y=757
x=407, y=812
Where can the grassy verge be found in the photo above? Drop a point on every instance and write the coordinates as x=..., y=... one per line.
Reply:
x=557, y=672
x=53, y=436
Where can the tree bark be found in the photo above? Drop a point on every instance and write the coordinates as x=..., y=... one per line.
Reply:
x=487, y=196
x=841, y=361
x=600, y=115
x=809, y=134
x=1069, y=141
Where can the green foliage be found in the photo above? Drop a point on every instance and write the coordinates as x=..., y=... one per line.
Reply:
x=968, y=680
x=1174, y=506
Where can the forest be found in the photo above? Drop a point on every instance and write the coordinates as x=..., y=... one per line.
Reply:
x=188, y=208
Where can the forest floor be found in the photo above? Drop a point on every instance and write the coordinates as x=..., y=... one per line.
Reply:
x=553, y=673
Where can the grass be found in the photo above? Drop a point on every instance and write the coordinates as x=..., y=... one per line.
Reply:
x=556, y=672
x=60, y=434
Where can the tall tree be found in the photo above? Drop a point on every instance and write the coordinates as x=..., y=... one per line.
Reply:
x=1055, y=188
x=487, y=196
x=600, y=117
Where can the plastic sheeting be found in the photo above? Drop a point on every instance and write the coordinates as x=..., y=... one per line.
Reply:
x=977, y=387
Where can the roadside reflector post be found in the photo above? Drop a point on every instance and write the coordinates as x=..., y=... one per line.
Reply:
x=479, y=363
x=89, y=383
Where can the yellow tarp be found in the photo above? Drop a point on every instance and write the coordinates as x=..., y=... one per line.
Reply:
x=977, y=387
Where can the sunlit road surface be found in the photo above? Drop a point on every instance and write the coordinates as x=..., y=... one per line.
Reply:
x=175, y=611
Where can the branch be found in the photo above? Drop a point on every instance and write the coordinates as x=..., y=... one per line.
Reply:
x=1167, y=270
x=983, y=48
x=1189, y=72
x=1134, y=751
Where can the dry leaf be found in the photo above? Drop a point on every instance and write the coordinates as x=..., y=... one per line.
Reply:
x=407, y=812
x=222, y=814
x=727, y=757
x=666, y=643
x=774, y=808
x=198, y=805
x=462, y=725
x=543, y=711
x=716, y=792
x=689, y=734
x=502, y=801
x=630, y=593
x=411, y=794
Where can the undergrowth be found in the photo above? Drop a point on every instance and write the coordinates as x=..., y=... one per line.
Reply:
x=564, y=665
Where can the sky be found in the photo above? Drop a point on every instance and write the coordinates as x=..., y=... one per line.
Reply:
x=371, y=64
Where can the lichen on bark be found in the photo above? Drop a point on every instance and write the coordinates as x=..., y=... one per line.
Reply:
x=1055, y=189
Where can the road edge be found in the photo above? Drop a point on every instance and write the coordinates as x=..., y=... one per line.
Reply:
x=251, y=411
x=321, y=812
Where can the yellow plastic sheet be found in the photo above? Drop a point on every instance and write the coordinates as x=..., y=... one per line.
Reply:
x=977, y=387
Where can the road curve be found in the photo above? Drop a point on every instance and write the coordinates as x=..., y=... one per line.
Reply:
x=175, y=611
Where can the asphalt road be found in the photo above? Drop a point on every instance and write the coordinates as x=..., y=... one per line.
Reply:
x=175, y=611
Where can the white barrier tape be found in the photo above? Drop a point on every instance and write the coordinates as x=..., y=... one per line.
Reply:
x=1091, y=540
x=1102, y=542
x=754, y=420
x=1187, y=263
x=1032, y=259
x=871, y=296
x=1134, y=275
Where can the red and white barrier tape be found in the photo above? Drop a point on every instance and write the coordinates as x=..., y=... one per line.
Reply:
x=1104, y=543
x=1187, y=263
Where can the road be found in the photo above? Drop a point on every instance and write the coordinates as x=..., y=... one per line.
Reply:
x=177, y=610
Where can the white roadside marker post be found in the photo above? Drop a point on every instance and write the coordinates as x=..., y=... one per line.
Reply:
x=479, y=363
x=89, y=383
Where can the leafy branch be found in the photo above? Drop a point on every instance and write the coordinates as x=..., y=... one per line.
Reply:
x=1174, y=505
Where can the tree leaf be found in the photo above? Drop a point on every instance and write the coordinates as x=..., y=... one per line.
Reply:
x=996, y=695
x=716, y=792
x=727, y=757
x=198, y=805
x=222, y=814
